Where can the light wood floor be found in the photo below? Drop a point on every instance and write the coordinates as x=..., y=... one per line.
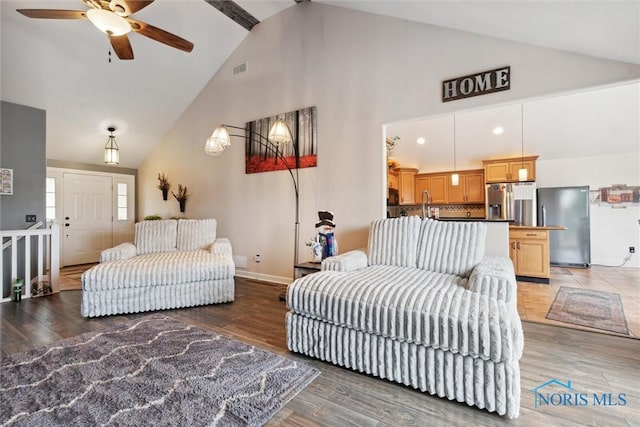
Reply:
x=340, y=397
x=534, y=300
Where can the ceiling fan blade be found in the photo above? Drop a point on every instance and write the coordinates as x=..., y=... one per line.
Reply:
x=53, y=13
x=122, y=46
x=161, y=36
x=128, y=7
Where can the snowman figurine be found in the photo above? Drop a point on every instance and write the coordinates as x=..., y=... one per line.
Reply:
x=326, y=237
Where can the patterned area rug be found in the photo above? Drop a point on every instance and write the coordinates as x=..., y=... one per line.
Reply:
x=151, y=371
x=594, y=309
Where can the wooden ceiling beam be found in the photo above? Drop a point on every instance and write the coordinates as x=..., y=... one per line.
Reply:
x=235, y=12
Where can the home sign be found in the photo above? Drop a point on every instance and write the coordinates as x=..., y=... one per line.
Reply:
x=477, y=84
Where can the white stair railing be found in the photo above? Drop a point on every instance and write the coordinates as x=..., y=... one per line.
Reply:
x=48, y=244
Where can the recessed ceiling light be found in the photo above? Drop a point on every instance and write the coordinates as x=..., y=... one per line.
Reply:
x=498, y=130
x=421, y=141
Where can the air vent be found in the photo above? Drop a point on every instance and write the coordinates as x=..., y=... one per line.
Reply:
x=240, y=68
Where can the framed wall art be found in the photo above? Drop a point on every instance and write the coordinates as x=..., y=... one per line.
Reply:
x=260, y=154
x=6, y=181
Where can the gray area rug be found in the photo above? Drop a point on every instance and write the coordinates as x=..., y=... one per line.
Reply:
x=150, y=371
x=594, y=309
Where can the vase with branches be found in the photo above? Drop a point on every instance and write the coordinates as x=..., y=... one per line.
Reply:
x=163, y=185
x=181, y=197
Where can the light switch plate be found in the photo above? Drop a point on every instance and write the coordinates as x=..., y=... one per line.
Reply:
x=30, y=218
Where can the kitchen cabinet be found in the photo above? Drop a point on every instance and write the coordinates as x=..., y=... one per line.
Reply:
x=392, y=179
x=407, y=185
x=506, y=170
x=435, y=184
x=470, y=189
x=529, y=252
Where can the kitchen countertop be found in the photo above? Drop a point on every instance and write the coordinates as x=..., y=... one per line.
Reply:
x=529, y=227
x=474, y=219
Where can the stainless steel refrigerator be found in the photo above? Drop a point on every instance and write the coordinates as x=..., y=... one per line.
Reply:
x=512, y=201
x=568, y=207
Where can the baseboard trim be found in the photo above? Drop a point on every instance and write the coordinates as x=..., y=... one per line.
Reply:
x=532, y=279
x=264, y=277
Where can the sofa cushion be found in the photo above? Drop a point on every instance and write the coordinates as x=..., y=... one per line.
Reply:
x=159, y=268
x=452, y=247
x=411, y=305
x=156, y=236
x=196, y=233
x=393, y=241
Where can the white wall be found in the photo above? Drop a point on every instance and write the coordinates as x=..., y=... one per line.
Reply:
x=612, y=230
x=361, y=71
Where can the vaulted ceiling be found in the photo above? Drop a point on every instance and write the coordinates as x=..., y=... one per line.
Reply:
x=62, y=66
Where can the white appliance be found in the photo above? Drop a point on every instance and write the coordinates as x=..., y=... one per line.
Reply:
x=513, y=201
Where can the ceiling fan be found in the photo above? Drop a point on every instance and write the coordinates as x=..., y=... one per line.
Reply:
x=114, y=19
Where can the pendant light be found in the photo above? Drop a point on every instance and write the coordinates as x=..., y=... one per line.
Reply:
x=522, y=172
x=455, y=178
x=111, y=150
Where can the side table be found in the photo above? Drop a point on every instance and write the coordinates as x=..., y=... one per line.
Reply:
x=300, y=270
x=305, y=268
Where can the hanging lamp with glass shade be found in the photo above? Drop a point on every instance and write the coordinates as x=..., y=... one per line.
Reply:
x=455, y=178
x=111, y=150
x=523, y=174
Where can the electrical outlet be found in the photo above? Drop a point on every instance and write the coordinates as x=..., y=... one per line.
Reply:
x=256, y=258
x=30, y=218
x=632, y=249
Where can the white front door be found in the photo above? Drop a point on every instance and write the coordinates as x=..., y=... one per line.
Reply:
x=87, y=217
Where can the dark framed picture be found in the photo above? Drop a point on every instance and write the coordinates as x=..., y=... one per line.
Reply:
x=301, y=152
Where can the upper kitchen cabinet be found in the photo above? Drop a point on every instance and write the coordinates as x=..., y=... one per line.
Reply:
x=470, y=189
x=407, y=185
x=435, y=184
x=506, y=170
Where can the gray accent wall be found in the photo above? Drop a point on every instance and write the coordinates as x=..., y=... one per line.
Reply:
x=23, y=149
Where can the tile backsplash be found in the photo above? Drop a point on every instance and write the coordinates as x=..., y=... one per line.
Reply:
x=446, y=211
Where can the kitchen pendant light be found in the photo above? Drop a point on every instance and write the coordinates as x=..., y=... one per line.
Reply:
x=111, y=150
x=455, y=178
x=523, y=174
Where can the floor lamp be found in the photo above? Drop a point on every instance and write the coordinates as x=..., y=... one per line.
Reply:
x=278, y=134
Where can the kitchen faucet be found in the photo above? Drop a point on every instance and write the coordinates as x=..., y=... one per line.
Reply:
x=426, y=214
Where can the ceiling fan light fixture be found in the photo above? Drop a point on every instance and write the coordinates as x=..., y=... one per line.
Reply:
x=118, y=8
x=108, y=22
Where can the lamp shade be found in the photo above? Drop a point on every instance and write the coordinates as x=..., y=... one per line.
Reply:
x=280, y=133
x=108, y=22
x=455, y=179
x=523, y=174
x=218, y=141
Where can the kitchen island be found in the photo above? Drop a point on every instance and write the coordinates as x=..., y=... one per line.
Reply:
x=529, y=252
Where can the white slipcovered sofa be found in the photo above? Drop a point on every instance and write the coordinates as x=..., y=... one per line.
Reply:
x=173, y=264
x=422, y=307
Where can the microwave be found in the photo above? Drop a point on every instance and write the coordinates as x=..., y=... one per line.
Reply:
x=394, y=197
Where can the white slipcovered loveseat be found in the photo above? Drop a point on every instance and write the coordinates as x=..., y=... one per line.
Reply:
x=422, y=307
x=173, y=264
